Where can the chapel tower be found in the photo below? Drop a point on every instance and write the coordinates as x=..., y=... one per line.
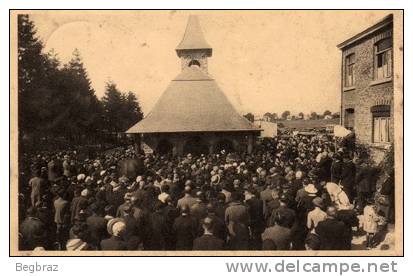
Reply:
x=193, y=49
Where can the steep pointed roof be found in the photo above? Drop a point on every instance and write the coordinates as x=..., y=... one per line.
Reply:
x=193, y=102
x=193, y=38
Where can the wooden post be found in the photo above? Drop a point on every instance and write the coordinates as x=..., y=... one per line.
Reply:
x=250, y=143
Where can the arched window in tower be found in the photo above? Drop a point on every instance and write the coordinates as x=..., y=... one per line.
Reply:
x=194, y=62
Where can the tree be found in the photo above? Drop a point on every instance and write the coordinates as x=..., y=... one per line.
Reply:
x=112, y=106
x=250, y=117
x=285, y=114
x=81, y=113
x=121, y=111
x=31, y=74
x=301, y=115
x=327, y=112
x=314, y=115
x=59, y=102
x=133, y=112
x=336, y=115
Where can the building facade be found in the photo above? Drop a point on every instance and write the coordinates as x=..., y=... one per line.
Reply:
x=367, y=105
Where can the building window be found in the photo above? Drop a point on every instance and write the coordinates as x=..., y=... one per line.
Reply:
x=349, y=118
x=349, y=70
x=381, y=130
x=381, y=123
x=383, y=59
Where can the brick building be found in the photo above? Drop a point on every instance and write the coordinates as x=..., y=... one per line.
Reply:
x=367, y=86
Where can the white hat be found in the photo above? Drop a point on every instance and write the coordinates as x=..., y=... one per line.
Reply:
x=311, y=189
x=215, y=179
x=163, y=197
x=102, y=173
x=114, y=184
x=81, y=177
x=84, y=192
x=75, y=245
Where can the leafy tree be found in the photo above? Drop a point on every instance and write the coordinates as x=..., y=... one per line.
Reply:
x=250, y=117
x=314, y=115
x=285, y=114
x=327, y=112
x=301, y=115
x=336, y=115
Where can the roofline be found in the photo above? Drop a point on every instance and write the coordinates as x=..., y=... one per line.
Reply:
x=191, y=131
x=379, y=25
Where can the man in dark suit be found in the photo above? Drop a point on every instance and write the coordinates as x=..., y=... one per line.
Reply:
x=336, y=168
x=185, y=229
x=365, y=183
x=208, y=241
x=96, y=225
x=219, y=229
x=331, y=231
x=348, y=176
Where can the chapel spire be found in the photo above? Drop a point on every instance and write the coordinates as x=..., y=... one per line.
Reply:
x=194, y=49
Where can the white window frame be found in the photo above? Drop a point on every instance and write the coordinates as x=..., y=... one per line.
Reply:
x=349, y=79
x=381, y=129
x=383, y=72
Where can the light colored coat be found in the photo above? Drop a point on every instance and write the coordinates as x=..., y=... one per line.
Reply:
x=370, y=220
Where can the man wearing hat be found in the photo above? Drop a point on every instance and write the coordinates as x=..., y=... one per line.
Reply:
x=208, y=241
x=115, y=229
x=115, y=195
x=120, y=212
x=78, y=203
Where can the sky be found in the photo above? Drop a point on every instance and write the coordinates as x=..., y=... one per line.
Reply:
x=264, y=61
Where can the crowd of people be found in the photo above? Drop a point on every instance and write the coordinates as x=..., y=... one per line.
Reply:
x=291, y=193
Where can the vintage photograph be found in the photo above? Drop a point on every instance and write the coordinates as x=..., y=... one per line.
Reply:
x=206, y=132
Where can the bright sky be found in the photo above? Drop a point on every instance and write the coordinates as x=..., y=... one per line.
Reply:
x=264, y=61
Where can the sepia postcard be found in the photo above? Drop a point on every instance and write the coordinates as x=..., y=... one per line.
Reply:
x=206, y=133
